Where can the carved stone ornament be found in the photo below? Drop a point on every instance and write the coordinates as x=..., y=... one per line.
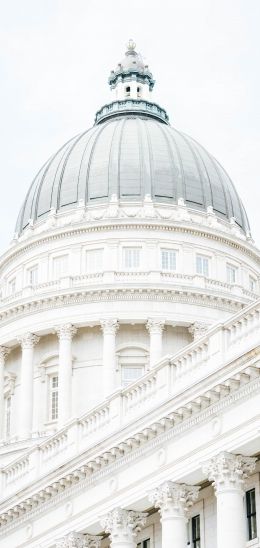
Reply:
x=28, y=341
x=173, y=499
x=66, y=331
x=228, y=471
x=4, y=351
x=198, y=329
x=78, y=540
x=109, y=326
x=125, y=523
x=155, y=325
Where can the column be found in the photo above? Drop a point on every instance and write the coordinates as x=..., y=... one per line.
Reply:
x=173, y=500
x=155, y=328
x=228, y=473
x=122, y=526
x=65, y=333
x=78, y=540
x=3, y=353
x=198, y=329
x=109, y=328
x=25, y=416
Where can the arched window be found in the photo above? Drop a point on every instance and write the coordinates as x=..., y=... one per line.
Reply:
x=132, y=364
x=127, y=91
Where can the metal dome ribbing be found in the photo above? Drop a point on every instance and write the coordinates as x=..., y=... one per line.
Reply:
x=131, y=157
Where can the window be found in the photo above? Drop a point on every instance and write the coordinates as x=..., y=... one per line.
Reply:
x=252, y=284
x=195, y=532
x=60, y=266
x=127, y=91
x=12, y=286
x=94, y=260
x=202, y=265
x=251, y=514
x=131, y=257
x=139, y=91
x=144, y=544
x=231, y=274
x=32, y=275
x=53, y=402
x=130, y=374
x=168, y=259
x=8, y=417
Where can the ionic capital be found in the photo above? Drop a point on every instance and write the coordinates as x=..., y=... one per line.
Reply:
x=173, y=499
x=228, y=471
x=109, y=326
x=72, y=540
x=66, y=331
x=155, y=326
x=28, y=341
x=4, y=351
x=198, y=329
x=125, y=523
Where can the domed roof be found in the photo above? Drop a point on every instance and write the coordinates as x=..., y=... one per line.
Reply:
x=131, y=156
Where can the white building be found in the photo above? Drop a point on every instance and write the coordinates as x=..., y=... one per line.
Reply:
x=130, y=331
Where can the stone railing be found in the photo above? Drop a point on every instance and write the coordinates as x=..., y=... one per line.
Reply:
x=126, y=276
x=204, y=359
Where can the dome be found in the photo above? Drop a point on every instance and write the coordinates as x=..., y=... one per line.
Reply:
x=131, y=156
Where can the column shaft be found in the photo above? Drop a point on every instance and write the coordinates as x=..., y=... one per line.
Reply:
x=3, y=353
x=109, y=328
x=65, y=334
x=155, y=328
x=25, y=420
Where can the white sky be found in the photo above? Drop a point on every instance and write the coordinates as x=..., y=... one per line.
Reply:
x=56, y=55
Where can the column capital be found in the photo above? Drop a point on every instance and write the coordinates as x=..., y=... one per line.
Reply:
x=228, y=472
x=198, y=329
x=155, y=325
x=126, y=522
x=72, y=540
x=28, y=340
x=66, y=331
x=109, y=326
x=4, y=351
x=173, y=499
x=92, y=541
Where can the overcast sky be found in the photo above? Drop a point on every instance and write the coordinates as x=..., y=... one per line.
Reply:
x=56, y=55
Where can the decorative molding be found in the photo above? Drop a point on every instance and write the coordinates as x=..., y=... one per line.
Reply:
x=28, y=341
x=228, y=471
x=173, y=499
x=9, y=383
x=4, y=351
x=66, y=332
x=123, y=524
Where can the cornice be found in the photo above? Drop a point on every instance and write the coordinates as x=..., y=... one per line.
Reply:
x=62, y=233
x=129, y=449
x=190, y=296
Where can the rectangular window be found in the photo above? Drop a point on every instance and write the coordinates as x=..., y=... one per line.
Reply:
x=94, y=260
x=53, y=406
x=8, y=417
x=231, y=274
x=12, y=286
x=144, y=544
x=130, y=374
x=60, y=266
x=131, y=257
x=195, y=532
x=252, y=284
x=32, y=275
x=251, y=514
x=168, y=259
x=202, y=265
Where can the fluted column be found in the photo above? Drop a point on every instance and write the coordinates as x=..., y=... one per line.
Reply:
x=3, y=353
x=109, y=327
x=228, y=473
x=65, y=333
x=155, y=328
x=122, y=526
x=25, y=415
x=173, y=500
x=78, y=540
x=198, y=329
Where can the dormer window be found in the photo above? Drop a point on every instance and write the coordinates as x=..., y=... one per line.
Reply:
x=127, y=91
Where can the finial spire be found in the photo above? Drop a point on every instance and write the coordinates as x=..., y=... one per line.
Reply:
x=131, y=45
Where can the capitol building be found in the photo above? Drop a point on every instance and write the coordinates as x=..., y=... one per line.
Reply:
x=130, y=342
